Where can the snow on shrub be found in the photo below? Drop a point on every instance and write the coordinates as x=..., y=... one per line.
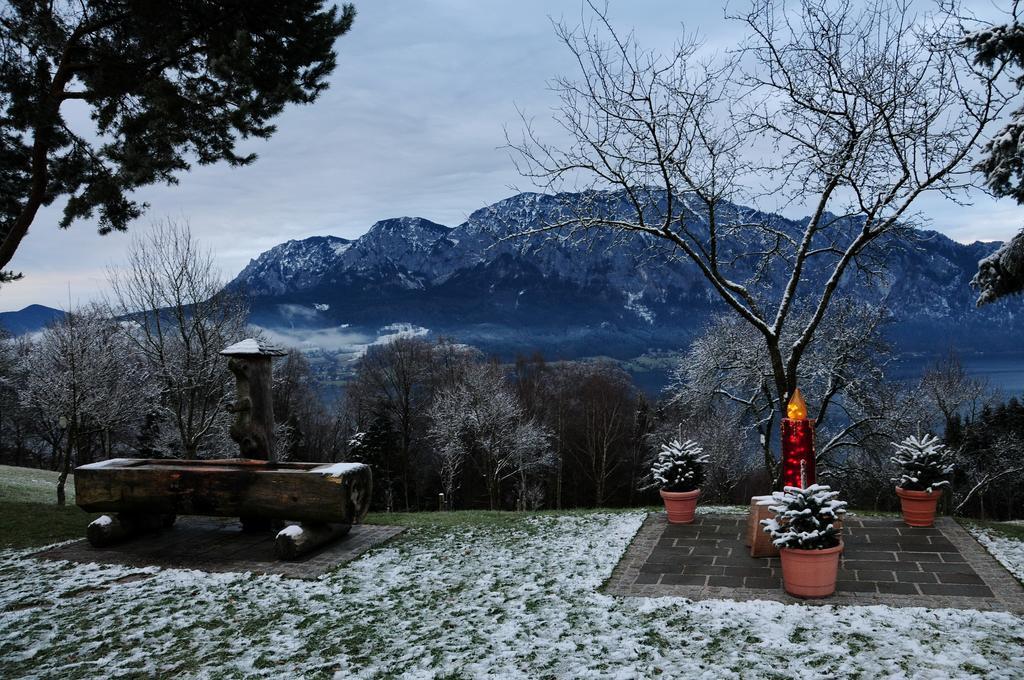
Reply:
x=679, y=466
x=805, y=518
x=926, y=463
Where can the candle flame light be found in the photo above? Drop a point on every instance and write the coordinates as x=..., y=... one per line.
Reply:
x=797, y=408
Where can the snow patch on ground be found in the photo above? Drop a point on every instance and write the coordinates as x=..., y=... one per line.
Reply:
x=722, y=510
x=516, y=598
x=1009, y=552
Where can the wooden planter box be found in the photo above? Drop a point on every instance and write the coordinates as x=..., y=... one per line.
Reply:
x=760, y=543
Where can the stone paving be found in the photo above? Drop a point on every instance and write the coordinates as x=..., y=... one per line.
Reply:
x=216, y=544
x=884, y=562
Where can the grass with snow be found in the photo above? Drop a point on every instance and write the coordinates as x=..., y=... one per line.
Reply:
x=29, y=485
x=464, y=595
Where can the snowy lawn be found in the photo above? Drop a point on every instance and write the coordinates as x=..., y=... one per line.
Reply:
x=466, y=596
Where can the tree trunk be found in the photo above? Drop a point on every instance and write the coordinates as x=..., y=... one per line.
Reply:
x=405, y=469
x=61, y=500
x=558, y=480
x=493, y=492
x=62, y=480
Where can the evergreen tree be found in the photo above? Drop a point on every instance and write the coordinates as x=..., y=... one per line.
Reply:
x=679, y=466
x=926, y=463
x=376, y=447
x=165, y=83
x=1002, y=273
x=805, y=519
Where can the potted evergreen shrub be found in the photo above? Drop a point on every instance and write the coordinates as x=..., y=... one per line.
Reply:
x=804, y=529
x=678, y=471
x=927, y=466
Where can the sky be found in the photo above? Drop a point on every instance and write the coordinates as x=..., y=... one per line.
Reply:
x=413, y=124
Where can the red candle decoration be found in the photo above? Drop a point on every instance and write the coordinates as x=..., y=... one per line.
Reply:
x=797, y=444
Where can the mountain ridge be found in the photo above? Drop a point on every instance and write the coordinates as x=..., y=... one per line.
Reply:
x=29, y=319
x=573, y=297
x=628, y=296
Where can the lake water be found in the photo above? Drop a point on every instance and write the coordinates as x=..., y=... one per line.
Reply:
x=1004, y=371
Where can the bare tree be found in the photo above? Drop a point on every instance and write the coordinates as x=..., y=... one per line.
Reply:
x=544, y=392
x=394, y=381
x=850, y=112
x=446, y=433
x=179, y=317
x=480, y=419
x=842, y=373
x=84, y=378
x=601, y=419
x=719, y=427
x=947, y=389
x=313, y=433
x=1002, y=462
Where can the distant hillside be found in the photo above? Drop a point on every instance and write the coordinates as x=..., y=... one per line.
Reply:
x=28, y=320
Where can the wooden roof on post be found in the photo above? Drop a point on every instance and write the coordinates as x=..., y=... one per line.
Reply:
x=254, y=347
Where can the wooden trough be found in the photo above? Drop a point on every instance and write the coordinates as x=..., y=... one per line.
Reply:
x=148, y=494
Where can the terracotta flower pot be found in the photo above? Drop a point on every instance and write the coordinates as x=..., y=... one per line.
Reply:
x=810, y=573
x=680, y=505
x=918, y=506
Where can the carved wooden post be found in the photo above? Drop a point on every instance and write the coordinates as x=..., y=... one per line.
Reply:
x=253, y=428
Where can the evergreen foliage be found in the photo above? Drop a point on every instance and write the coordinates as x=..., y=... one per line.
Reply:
x=376, y=446
x=679, y=466
x=805, y=518
x=166, y=84
x=926, y=463
x=1003, y=164
x=1002, y=273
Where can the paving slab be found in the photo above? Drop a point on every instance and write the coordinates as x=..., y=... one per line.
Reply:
x=884, y=562
x=220, y=545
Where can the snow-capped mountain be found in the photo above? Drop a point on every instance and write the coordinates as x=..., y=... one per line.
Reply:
x=293, y=265
x=586, y=294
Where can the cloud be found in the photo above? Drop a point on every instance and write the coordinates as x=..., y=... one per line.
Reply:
x=413, y=124
x=332, y=340
x=342, y=339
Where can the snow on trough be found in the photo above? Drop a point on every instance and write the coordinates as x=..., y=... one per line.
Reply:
x=339, y=469
x=519, y=598
x=291, y=530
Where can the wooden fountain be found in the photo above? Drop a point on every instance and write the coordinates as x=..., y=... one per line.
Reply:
x=307, y=504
